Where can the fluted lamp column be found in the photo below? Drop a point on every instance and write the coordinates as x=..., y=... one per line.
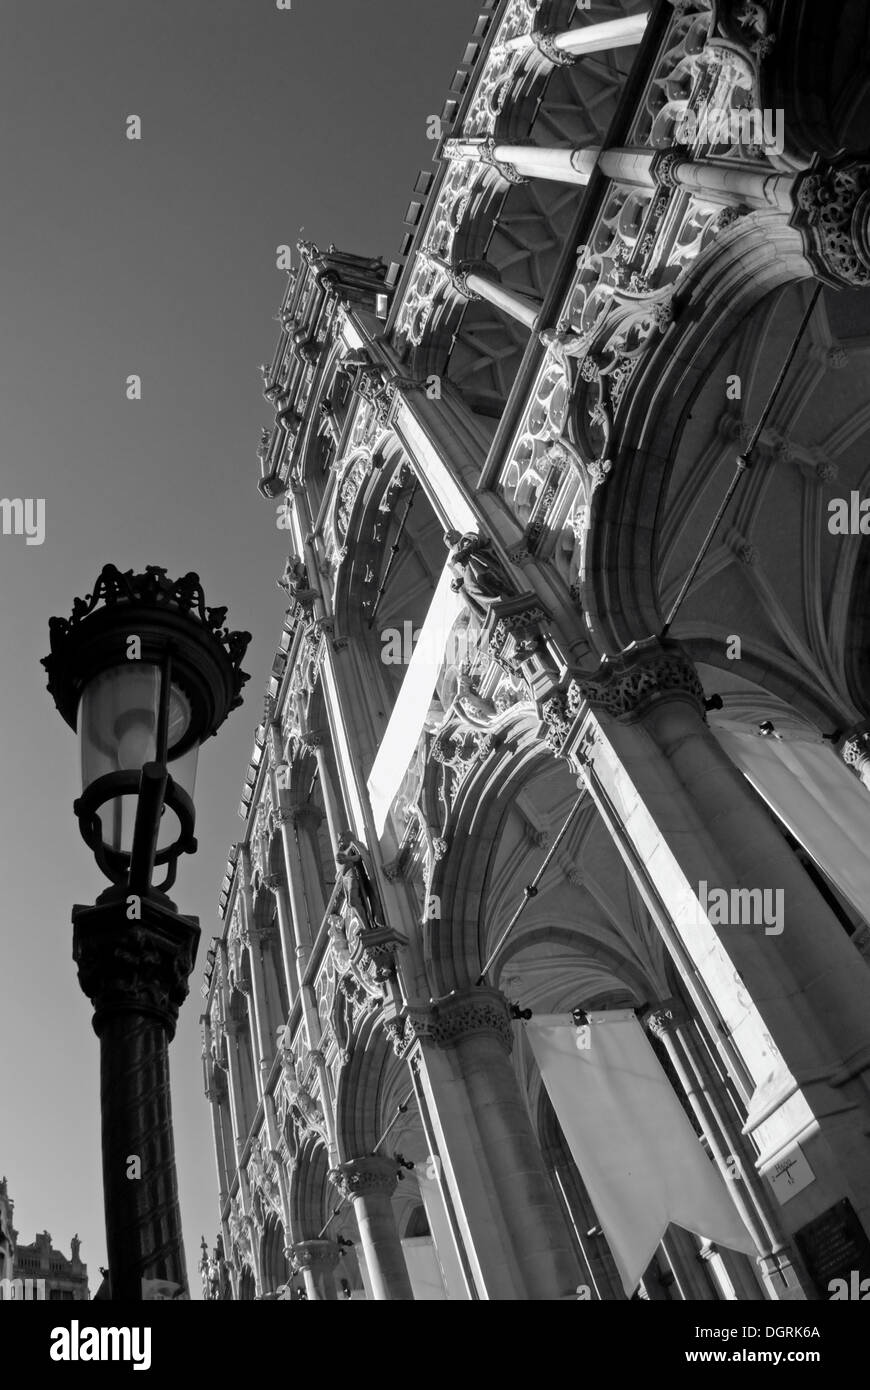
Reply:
x=144, y=672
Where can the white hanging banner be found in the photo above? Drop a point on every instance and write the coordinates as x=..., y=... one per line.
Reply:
x=413, y=701
x=813, y=792
x=635, y=1149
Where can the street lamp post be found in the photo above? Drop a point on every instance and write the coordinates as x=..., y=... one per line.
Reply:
x=144, y=672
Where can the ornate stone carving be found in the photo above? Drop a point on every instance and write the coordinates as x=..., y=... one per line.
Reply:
x=664, y=1018
x=855, y=751
x=293, y=1095
x=625, y=685
x=263, y=1177
x=544, y=41
x=360, y=892
x=479, y=575
x=149, y=589
x=295, y=582
x=833, y=216
x=665, y=165
x=373, y=1175
x=463, y=1014
x=554, y=712
x=486, y=154
x=313, y=1255
x=134, y=966
x=240, y=1225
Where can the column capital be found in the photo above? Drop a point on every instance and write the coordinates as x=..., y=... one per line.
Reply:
x=140, y=966
x=460, y=1015
x=665, y=164
x=313, y=1255
x=373, y=1175
x=487, y=155
x=314, y=739
x=664, y=1019
x=544, y=41
x=832, y=214
x=627, y=684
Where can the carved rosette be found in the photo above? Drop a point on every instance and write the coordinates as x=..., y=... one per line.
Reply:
x=626, y=686
x=462, y=1015
x=372, y=1176
x=833, y=216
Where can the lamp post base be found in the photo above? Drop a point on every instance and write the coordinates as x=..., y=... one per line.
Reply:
x=134, y=957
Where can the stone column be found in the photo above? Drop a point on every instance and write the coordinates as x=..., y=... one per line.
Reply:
x=307, y=818
x=684, y=1258
x=782, y=1001
x=476, y=280
x=666, y=1021
x=278, y=885
x=721, y=183
x=595, y=1252
x=477, y=284
x=316, y=1259
x=369, y=1183
x=625, y=165
x=293, y=864
x=735, y=1159
x=589, y=38
x=335, y=819
x=233, y=1028
x=213, y=1099
x=264, y=1028
x=518, y=163
x=513, y=1231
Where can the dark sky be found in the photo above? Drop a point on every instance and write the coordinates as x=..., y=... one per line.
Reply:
x=157, y=258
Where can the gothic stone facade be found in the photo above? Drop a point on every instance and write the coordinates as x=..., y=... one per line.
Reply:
x=548, y=395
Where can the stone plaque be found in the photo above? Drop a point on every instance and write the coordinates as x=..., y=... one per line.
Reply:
x=833, y=1245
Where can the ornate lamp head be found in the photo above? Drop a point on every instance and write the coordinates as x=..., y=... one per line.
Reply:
x=145, y=672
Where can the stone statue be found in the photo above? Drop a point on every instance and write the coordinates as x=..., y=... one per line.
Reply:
x=479, y=574
x=295, y=576
x=563, y=344
x=359, y=890
x=338, y=941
